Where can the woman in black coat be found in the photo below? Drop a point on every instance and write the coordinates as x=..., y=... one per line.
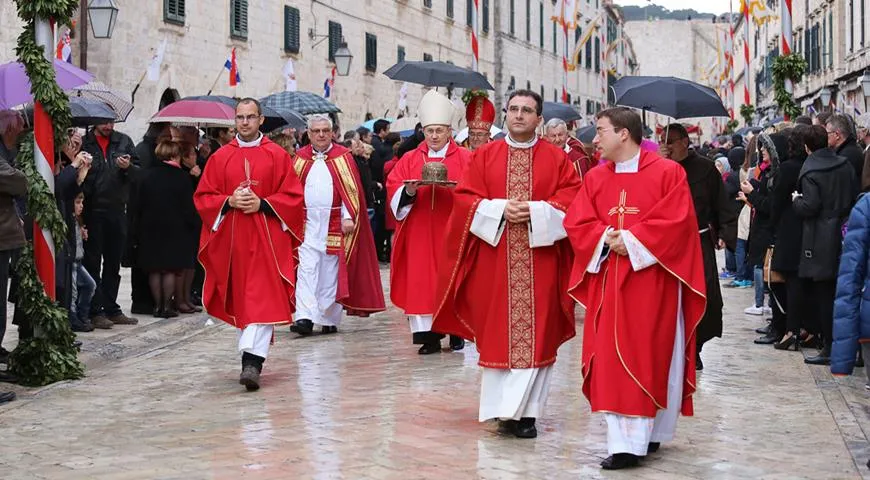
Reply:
x=757, y=193
x=165, y=225
x=190, y=280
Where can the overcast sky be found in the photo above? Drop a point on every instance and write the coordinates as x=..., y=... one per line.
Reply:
x=707, y=6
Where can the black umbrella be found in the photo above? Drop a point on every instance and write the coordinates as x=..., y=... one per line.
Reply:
x=438, y=74
x=84, y=112
x=275, y=117
x=745, y=130
x=586, y=134
x=561, y=111
x=674, y=97
x=305, y=103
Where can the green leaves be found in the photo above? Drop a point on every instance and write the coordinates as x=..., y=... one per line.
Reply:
x=747, y=111
x=50, y=355
x=787, y=67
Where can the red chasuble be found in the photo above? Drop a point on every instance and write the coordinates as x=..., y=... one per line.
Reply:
x=511, y=300
x=628, y=334
x=249, y=268
x=582, y=163
x=419, y=237
x=359, y=279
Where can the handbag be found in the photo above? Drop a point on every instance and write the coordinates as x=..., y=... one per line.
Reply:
x=770, y=275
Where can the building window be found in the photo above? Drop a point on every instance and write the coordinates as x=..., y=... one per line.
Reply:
x=528, y=20
x=469, y=10
x=852, y=24
x=863, y=7
x=513, y=17
x=830, y=39
x=334, y=39
x=449, y=8
x=542, y=91
x=588, y=55
x=484, y=14
x=371, y=52
x=173, y=11
x=427, y=3
x=555, y=95
x=400, y=54
x=541, y=25
x=427, y=57
x=291, y=29
x=239, y=19
x=555, y=29
x=597, y=55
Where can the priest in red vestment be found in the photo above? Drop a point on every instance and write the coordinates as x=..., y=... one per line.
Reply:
x=421, y=212
x=639, y=273
x=556, y=132
x=479, y=116
x=250, y=202
x=338, y=267
x=503, y=280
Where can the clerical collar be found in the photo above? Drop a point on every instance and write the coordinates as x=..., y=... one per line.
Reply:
x=252, y=143
x=567, y=148
x=513, y=143
x=440, y=153
x=321, y=155
x=629, y=166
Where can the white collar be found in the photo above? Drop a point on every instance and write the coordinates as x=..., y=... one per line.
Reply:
x=513, y=143
x=629, y=166
x=567, y=148
x=316, y=153
x=440, y=153
x=252, y=143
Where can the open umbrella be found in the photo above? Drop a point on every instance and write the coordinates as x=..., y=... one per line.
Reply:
x=90, y=112
x=305, y=103
x=370, y=124
x=674, y=97
x=438, y=74
x=275, y=118
x=560, y=110
x=586, y=134
x=100, y=92
x=15, y=84
x=196, y=112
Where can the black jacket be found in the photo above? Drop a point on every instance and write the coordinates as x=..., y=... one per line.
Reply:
x=106, y=187
x=787, y=224
x=853, y=154
x=760, y=230
x=828, y=185
x=365, y=177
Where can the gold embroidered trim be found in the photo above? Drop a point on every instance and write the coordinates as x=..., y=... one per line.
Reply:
x=521, y=285
x=333, y=241
x=348, y=183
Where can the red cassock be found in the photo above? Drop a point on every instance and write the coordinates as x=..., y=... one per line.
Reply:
x=582, y=163
x=249, y=267
x=359, y=279
x=511, y=300
x=628, y=334
x=419, y=237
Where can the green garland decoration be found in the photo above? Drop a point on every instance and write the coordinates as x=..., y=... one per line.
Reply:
x=731, y=126
x=787, y=67
x=50, y=355
x=469, y=95
x=747, y=111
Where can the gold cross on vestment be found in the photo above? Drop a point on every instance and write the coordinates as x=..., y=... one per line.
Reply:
x=622, y=210
x=248, y=183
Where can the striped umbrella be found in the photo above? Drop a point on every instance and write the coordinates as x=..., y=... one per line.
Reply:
x=100, y=92
x=306, y=103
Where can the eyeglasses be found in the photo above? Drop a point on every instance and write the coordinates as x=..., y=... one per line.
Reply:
x=246, y=118
x=833, y=132
x=319, y=131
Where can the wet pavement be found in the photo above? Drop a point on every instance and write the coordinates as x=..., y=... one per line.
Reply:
x=363, y=405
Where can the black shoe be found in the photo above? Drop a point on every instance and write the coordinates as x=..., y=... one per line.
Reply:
x=302, y=327
x=812, y=341
x=250, y=378
x=327, y=329
x=763, y=330
x=196, y=300
x=430, y=348
x=383, y=258
x=823, y=358
x=769, y=339
x=618, y=461
x=699, y=365
x=653, y=447
x=8, y=377
x=788, y=343
x=6, y=397
x=141, y=309
x=456, y=343
x=507, y=427
x=82, y=327
x=525, y=428
x=860, y=361
x=158, y=312
x=4, y=355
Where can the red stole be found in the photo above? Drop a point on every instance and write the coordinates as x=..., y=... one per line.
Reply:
x=249, y=260
x=419, y=237
x=510, y=299
x=629, y=330
x=359, y=282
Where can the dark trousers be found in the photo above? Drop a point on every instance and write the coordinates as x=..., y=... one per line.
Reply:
x=140, y=291
x=797, y=292
x=106, y=236
x=382, y=236
x=821, y=307
x=5, y=261
x=779, y=305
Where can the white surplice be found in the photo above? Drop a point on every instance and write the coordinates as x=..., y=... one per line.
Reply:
x=317, y=274
x=626, y=434
x=255, y=339
x=519, y=392
x=418, y=323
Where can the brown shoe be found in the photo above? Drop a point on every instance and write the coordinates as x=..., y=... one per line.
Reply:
x=121, y=319
x=250, y=378
x=100, y=321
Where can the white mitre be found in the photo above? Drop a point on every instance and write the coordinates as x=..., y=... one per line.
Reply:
x=436, y=109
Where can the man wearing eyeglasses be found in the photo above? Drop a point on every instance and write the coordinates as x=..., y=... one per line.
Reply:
x=503, y=280
x=251, y=205
x=717, y=223
x=479, y=115
x=841, y=139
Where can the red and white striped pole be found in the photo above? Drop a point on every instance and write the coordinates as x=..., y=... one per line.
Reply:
x=746, y=70
x=475, y=53
x=601, y=33
x=787, y=42
x=43, y=156
x=731, y=59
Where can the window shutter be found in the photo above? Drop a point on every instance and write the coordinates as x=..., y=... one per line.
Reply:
x=400, y=54
x=291, y=29
x=371, y=52
x=427, y=57
x=239, y=19
x=484, y=14
x=469, y=9
x=173, y=11
x=334, y=39
x=449, y=8
x=541, y=26
x=427, y=3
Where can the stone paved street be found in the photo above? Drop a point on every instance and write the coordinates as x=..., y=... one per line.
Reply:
x=364, y=405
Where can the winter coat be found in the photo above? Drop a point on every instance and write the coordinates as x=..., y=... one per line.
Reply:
x=787, y=224
x=12, y=184
x=853, y=154
x=106, y=186
x=828, y=185
x=852, y=304
x=761, y=230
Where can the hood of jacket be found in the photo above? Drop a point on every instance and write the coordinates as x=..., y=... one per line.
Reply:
x=822, y=160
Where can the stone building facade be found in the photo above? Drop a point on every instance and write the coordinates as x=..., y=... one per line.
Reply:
x=266, y=33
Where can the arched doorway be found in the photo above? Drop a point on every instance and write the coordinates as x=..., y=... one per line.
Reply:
x=170, y=95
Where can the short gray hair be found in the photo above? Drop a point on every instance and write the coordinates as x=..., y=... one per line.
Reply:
x=842, y=124
x=317, y=118
x=555, y=123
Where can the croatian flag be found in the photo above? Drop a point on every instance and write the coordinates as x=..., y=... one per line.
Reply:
x=233, y=67
x=64, y=48
x=329, y=83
